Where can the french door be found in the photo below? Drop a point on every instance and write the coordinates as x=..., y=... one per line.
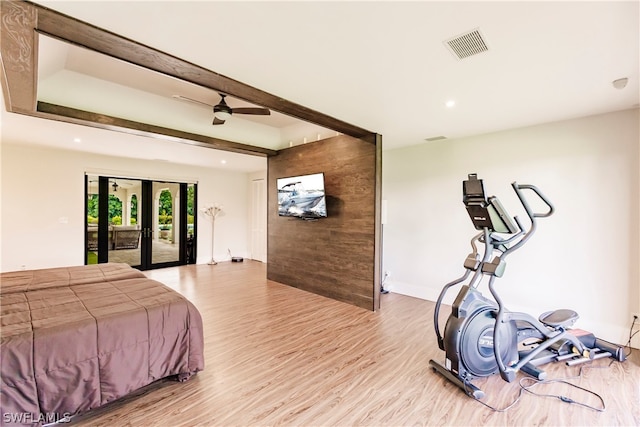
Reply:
x=146, y=224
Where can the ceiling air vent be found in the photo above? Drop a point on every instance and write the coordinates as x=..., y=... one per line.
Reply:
x=467, y=44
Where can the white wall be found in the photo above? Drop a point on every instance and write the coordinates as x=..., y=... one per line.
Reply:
x=584, y=257
x=42, y=222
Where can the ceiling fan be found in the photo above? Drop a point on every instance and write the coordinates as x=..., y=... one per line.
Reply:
x=222, y=111
x=113, y=183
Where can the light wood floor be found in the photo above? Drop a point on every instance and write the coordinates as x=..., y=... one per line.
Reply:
x=276, y=355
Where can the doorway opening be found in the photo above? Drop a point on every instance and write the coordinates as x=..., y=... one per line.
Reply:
x=146, y=224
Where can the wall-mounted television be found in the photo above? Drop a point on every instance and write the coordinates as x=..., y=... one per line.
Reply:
x=302, y=196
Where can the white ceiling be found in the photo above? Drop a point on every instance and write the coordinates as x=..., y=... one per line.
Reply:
x=382, y=66
x=80, y=78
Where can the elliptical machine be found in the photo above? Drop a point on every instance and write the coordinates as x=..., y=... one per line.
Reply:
x=481, y=337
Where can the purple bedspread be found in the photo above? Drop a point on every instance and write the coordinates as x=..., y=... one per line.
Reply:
x=73, y=339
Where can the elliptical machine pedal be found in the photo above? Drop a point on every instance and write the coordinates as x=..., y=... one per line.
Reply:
x=481, y=337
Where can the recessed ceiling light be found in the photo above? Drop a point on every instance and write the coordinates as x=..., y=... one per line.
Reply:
x=77, y=140
x=224, y=162
x=620, y=83
x=450, y=103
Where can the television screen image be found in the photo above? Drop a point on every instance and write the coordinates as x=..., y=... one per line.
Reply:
x=302, y=196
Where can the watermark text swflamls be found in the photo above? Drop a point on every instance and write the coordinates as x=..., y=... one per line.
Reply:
x=31, y=418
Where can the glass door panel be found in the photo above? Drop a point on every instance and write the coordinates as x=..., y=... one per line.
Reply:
x=192, y=223
x=165, y=247
x=93, y=219
x=125, y=232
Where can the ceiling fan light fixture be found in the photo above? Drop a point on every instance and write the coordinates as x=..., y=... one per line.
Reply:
x=222, y=111
x=221, y=115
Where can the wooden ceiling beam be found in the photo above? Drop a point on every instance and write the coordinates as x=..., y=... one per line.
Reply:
x=72, y=115
x=18, y=56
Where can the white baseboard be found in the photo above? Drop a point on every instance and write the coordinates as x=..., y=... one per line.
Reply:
x=415, y=291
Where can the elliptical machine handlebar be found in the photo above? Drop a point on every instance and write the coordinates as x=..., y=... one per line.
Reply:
x=517, y=188
x=530, y=213
x=471, y=263
x=506, y=372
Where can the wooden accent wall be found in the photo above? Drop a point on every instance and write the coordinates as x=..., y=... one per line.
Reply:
x=337, y=256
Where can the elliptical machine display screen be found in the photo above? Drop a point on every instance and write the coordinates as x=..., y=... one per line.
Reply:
x=473, y=190
x=485, y=213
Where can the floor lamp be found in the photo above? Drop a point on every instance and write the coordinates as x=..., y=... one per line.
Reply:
x=213, y=224
x=212, y=211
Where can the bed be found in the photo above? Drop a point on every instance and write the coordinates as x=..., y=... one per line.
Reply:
x=76, y=338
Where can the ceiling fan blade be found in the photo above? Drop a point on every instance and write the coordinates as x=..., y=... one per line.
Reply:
x=254, y=111
x=217, y=121
x=194, y=101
